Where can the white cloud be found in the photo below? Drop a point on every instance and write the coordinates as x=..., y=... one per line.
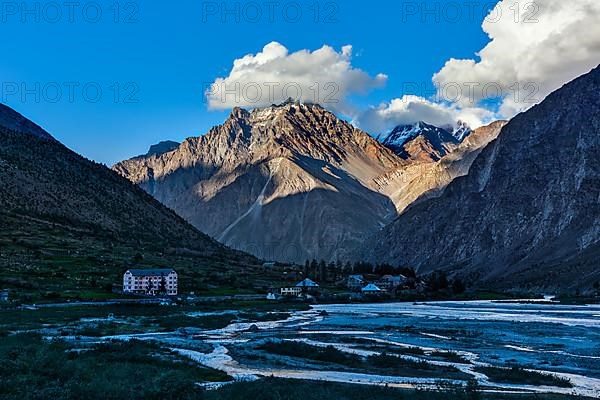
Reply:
x=273, y=75
x=534, y=48
x=411, y=109
x=537, y=50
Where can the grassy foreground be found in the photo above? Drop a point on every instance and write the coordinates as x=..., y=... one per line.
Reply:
x=282, y=389
x=382, y=363
x=32, y=368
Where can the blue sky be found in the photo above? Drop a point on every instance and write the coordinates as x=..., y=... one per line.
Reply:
x=166, y=55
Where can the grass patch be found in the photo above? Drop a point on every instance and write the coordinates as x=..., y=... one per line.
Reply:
x=383, y=363
x=327, y=354
x=282, y=389
x=518, y=375
x=173, y=322
x=159, y=317
x=450, y=356
x=403, y=367
x=31, y=368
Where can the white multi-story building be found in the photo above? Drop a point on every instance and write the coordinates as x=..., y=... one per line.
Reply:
x=150, y=282
x=293, y=291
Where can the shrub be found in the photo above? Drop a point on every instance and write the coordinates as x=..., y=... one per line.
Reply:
x=519, y=375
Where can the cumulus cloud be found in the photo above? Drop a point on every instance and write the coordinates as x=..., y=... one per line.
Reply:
x=273, y=75
x=411, y=109
x=532, y=52
x=534, y=48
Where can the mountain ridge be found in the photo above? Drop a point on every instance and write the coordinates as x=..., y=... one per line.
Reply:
x=288, y=182
x=273, y=174
x=527, y=213
x=12, y=120
x=77, y=224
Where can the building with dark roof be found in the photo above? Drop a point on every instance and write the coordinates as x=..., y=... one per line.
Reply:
x=151, y=282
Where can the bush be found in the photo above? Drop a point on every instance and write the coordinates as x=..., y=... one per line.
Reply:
x=324, y=354
x=519, y=375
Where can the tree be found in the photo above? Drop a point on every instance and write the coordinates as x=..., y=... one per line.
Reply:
x=322, y=271
x=331, y=272
x=458, y=286
x=408, y=272
x=347, y=268
x=472, y=390
x=437, y=281
x=314, y=267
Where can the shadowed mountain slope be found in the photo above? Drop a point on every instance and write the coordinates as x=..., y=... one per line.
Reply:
x=61, y=212
x=529, y=210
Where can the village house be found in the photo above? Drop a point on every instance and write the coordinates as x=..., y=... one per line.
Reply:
x=293, y=291
x=371, y=289
x=355, y=283
x=390, y=283
x=150, y=282
x=306, y=286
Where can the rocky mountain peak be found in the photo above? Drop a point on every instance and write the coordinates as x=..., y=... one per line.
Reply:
x=420, y=141
x=238, y=113
x=461, y=130
x=287, y=182
x=162, y=148
x=280, y=181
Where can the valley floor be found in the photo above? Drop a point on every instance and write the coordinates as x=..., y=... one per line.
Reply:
x=475, y=349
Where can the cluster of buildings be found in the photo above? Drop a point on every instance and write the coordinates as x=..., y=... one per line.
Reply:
x=150, y=282
x=164, y=282
x=381, y=285
x=355, y=283
x=307, y=286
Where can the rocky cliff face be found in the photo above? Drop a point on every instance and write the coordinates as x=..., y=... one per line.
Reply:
x=288, y=182
x=291, y=182
x=529, y=210
x=427, y=178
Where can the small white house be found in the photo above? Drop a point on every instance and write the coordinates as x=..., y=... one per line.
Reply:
x=150, y=282
x=371, y=289
x=308, y=283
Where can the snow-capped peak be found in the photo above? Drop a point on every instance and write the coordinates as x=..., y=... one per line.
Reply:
x=461, y=130
x=403, y=133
